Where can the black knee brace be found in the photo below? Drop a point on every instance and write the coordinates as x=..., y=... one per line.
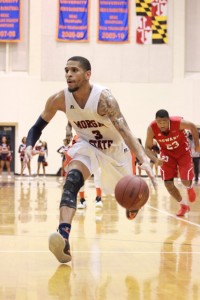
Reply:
x=74, y=181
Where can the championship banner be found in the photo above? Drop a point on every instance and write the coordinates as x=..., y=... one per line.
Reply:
x=113, y=25
x=10, y=20
x=73, y=21
x=151, y=21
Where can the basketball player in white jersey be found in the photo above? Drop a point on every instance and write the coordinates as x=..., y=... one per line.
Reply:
x=104, y=141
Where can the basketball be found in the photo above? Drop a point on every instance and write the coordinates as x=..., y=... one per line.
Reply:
x=132, y=192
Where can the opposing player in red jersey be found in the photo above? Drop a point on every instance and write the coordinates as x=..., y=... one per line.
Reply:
x=175, y=154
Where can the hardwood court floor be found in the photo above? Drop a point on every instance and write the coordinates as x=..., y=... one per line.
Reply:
x=154, y=257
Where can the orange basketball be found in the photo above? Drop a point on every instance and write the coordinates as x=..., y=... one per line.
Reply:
x=132, y=192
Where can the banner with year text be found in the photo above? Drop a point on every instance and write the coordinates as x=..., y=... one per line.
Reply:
x=73, y=20
x=113, y=25
x=10, y=20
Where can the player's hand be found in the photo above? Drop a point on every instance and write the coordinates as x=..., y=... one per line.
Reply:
x=27, y=156
x=159, y=162
x=147, y=168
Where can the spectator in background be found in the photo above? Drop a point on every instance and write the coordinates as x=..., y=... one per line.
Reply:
x=195, y=157
x=21, y=150
x=6, y=156
x=63, y=150
x=42, y=152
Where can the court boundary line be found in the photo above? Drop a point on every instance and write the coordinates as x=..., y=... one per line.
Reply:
x=173, y=216
x=103, y=252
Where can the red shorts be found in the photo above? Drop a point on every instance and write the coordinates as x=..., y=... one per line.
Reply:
x=181, y=166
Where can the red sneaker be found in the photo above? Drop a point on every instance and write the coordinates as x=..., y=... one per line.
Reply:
x=183, y=209
x=191, y=194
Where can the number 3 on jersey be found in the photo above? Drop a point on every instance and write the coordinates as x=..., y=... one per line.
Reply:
x=97, y=134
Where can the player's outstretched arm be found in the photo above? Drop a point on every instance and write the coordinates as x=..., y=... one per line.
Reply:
x=53, y=104
x=148, y=147
x=109, y=106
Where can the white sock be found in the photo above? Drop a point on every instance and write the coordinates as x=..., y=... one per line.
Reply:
x=190, y=187
x=184, y=202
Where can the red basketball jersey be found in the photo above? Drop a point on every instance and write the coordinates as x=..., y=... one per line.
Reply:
x=175, y=143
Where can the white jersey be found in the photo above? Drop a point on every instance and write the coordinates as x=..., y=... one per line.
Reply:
x=99, y=143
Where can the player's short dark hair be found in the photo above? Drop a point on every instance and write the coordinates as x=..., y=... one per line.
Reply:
x=84, y=62
x=162, y=113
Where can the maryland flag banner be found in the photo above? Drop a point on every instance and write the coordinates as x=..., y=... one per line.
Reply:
x=151, y=21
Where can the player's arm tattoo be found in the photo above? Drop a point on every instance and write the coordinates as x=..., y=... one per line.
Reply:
x=108, y=106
